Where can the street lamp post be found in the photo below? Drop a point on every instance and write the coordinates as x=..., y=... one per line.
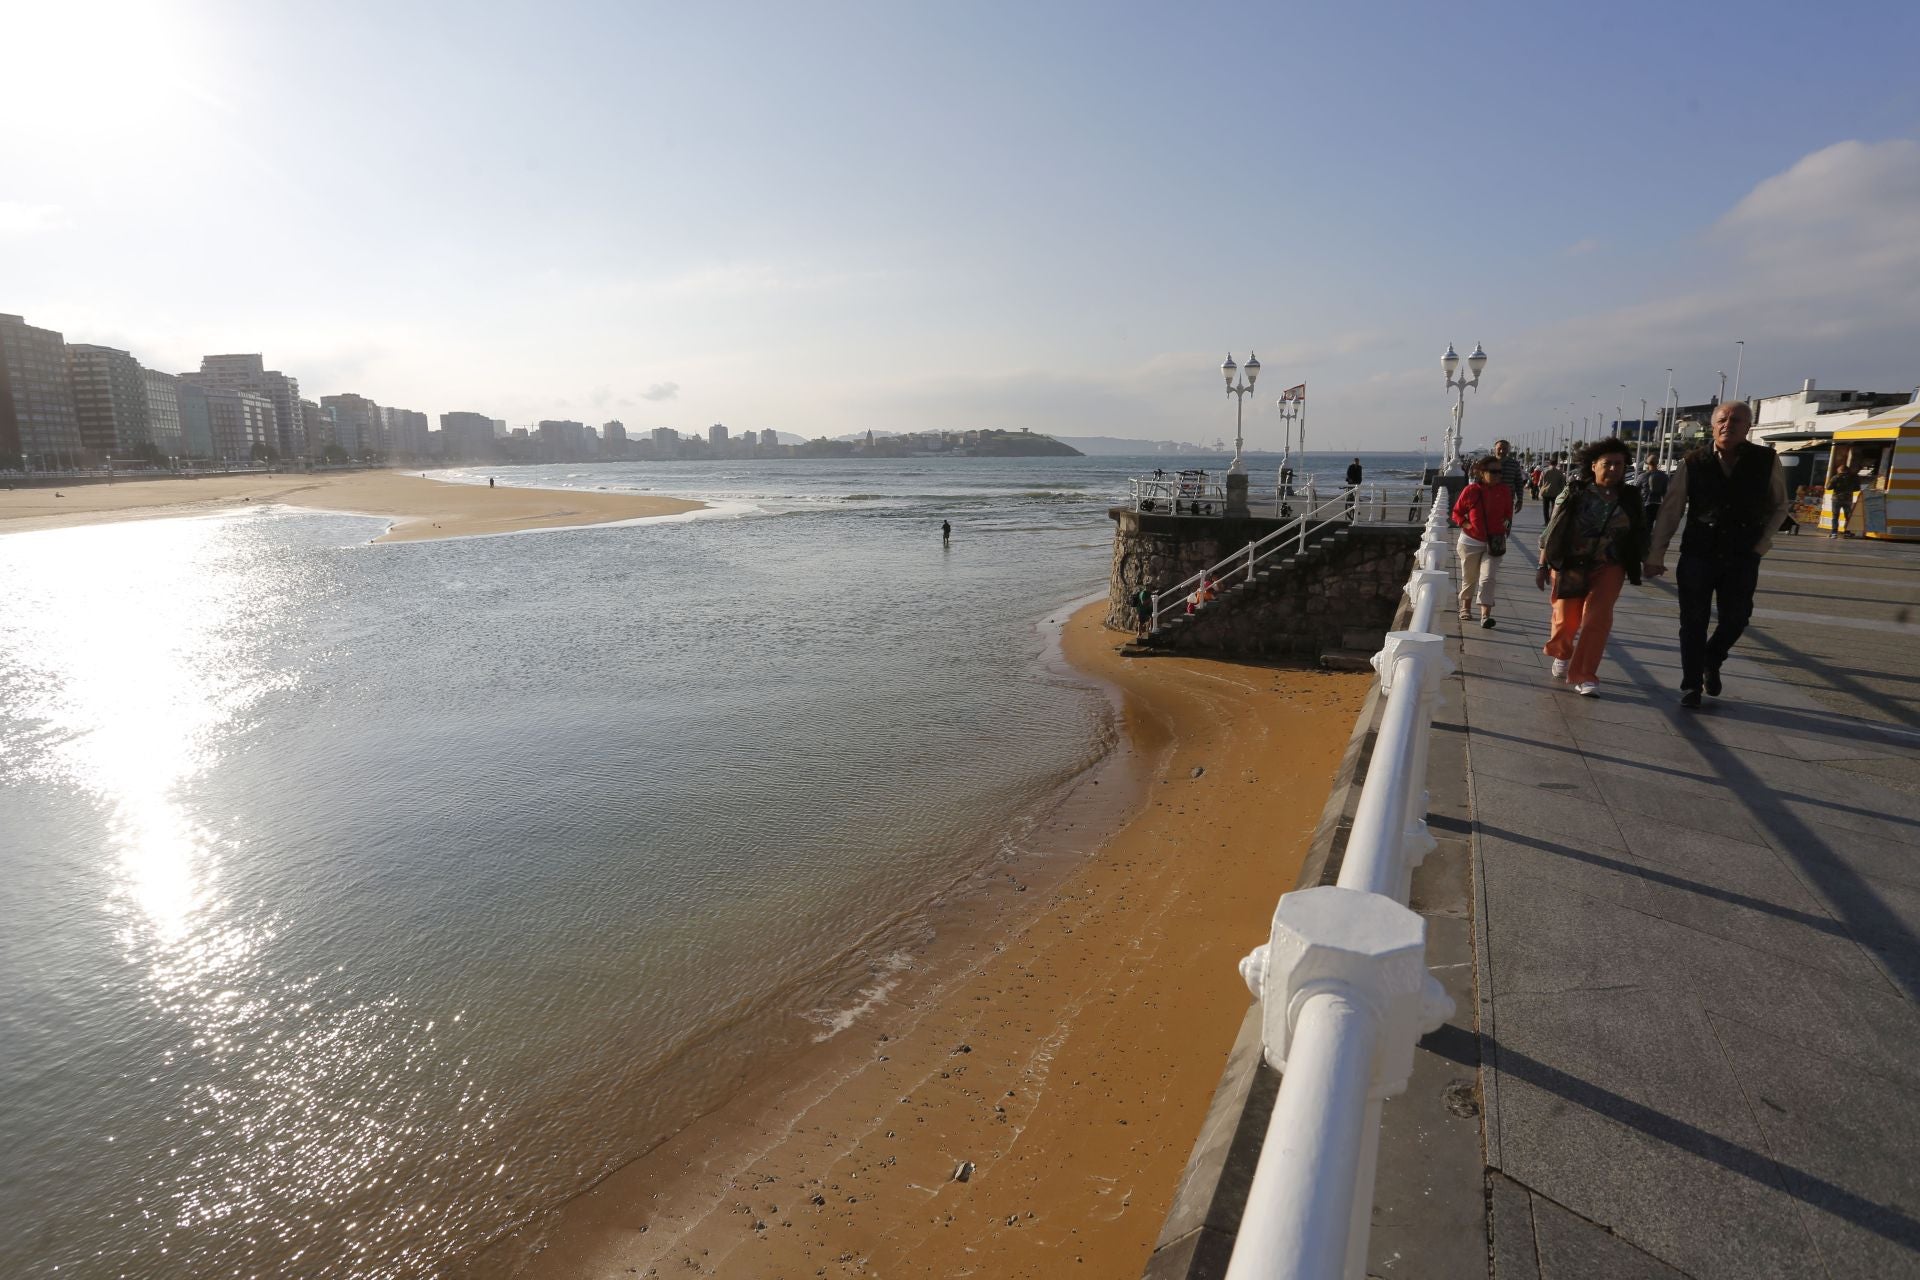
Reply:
x=1740, y=358
x=1450, y=365
x=1240, y=392
x=1237, y=470
x=1293, y=408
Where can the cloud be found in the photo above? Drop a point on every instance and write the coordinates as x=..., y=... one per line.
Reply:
x=18, y=218
x=661, y=391
x=1814, y=268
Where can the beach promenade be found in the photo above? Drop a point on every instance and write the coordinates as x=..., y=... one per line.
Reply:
x=1696, y=943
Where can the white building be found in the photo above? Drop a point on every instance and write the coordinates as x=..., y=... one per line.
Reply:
x=248, y=373
x=1811, y=410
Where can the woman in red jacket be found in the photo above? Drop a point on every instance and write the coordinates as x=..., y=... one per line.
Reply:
x=1484, y=512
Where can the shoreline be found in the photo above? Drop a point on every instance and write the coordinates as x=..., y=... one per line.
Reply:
x=418, y=509
x=1065, y=1043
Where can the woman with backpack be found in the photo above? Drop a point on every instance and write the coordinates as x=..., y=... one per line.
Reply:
x=1484, y=512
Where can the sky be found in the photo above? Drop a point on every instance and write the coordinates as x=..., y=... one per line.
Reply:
x=834, y=217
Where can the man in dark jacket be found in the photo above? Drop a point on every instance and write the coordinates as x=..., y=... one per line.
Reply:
x=1734, y=497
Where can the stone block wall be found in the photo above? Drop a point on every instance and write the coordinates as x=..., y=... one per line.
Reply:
x=1157, y=551
x=1342, y=597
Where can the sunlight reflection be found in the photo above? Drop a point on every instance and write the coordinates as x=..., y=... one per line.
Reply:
x=131, y=647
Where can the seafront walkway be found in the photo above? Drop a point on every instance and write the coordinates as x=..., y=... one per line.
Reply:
x=1696, y=936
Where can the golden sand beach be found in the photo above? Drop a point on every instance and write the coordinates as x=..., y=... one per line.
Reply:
x=420, y=508
x=1065, y=1049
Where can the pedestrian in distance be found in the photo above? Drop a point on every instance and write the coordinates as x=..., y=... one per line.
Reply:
x=1733, y=496
x=946, y=533
x=1484, y=513
x=1354, y=475
x=1533, y=482
x=1842, y=485
x=1592, y=547
x=1510, y=472
x=1142, y=612
x=1552, y=481
x=1653, y=490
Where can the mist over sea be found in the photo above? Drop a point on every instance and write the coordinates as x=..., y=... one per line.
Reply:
x=358, y=901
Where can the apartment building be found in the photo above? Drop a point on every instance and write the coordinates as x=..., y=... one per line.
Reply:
x=249, y=373
x=109, y=400
x=38, y=426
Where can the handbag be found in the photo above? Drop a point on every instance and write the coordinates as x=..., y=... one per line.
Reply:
x=1496, y=544
x=1570, y=583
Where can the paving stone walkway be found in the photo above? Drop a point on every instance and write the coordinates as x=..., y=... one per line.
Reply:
x=1697, y=934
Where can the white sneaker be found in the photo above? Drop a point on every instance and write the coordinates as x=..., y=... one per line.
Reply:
x=1559, y=668
x=1587, y=689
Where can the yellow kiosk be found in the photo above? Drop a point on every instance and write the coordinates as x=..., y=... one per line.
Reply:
x=1884, y=453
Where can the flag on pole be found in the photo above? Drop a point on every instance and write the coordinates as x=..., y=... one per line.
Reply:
x=1294, y=393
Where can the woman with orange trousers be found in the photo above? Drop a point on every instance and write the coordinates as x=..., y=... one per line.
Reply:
x=1593, y=546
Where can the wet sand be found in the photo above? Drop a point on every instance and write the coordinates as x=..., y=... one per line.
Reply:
x=1064, y=1044
x=420, y=508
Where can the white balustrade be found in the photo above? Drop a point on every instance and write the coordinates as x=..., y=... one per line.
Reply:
x=1343, y=985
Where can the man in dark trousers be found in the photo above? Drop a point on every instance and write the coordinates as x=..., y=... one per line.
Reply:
x=946, y=532
x=1354, y=473
x=1842, y=485
x=1734, y=497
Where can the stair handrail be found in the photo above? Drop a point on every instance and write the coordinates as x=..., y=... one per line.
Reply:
x=1248, y=558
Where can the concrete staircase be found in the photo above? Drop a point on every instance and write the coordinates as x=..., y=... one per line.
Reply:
x=1320, y=548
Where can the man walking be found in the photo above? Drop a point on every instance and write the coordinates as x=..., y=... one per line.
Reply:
x=1842, y=485
x=1552, y=481
x=1510, y=473
x=1354, y=475
x=1653, y=490
x=1734, y=497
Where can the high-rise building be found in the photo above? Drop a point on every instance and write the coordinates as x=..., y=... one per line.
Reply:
x=615, y=434
x=405, y=431
x=356, y=424
x=109, y=399
x=500, y=429
x=665, y=437
x=717, y=435
x=226, y=423
x=163, y=411
x=248, y=373
x=317, y=423
x=38, y=426
x=467, y=435
x=769, y=439
x=563, y=440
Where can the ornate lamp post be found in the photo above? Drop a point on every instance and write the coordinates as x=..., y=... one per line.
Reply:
x=1293, y=408
x=1450, y=364
x=1239, y=391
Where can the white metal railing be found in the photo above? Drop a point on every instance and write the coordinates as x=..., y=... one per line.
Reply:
x=1200, y=493
x=1309, y=515
x=1343, y=983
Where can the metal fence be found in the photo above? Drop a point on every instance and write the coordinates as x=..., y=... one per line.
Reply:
x=1307, y=514
x=1201, y=493
x=1343, y=982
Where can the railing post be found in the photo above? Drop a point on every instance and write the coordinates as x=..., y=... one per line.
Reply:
x=1344, y=994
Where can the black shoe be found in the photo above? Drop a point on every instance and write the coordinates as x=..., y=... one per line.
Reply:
x=1713, y=682
x=1691, y=698
x=1487, y=622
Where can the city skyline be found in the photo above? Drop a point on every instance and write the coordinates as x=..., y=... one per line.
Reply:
x=1000, y=219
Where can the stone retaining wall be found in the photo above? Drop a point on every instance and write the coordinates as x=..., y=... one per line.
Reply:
x=1342, y=597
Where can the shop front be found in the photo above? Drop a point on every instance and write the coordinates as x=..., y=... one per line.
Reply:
x=1883, y=456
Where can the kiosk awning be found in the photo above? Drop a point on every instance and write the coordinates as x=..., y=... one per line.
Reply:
x=1890, y=425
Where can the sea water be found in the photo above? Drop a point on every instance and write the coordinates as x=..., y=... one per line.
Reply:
x=358, y=902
